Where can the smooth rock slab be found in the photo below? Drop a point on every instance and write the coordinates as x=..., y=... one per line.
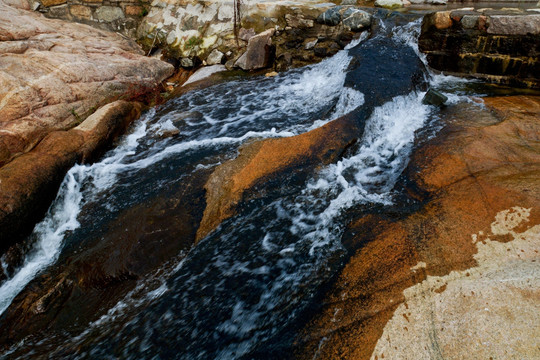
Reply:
x=514, y=25
x=489, y=311
x=53, y=75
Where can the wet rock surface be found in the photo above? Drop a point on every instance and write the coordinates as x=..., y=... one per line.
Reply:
x=95, y=272
x=439, y=273
x=264, y=161
x=30, y=182
x=501, y=46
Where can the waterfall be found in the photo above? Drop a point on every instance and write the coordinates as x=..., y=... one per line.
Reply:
x=242, y=286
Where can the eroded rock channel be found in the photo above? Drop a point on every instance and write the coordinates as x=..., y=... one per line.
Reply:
x=326, y=212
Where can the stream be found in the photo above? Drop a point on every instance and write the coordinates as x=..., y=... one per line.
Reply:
x=244, y=290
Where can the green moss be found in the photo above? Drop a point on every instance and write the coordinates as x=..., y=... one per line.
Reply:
x=192, y=42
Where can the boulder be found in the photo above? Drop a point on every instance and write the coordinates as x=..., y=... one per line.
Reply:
x=356, y=20
x=330, y=17
x=434, y=97
x=459, y=266
x=109, y=13
x=514, y=25
x=215, y=57
x=53, y=75
x=258, y=52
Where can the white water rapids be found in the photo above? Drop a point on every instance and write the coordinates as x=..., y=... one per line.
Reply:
x=221, y=118
x=291, y=96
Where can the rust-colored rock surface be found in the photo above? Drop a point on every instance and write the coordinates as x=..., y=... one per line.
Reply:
x=458, y=272
x=262, y=160
x=29, y=183
x=53, y=74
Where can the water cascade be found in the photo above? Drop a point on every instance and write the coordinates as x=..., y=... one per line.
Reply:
x=240, y=291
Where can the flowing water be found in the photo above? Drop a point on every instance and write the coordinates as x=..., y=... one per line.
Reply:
x=240, y=292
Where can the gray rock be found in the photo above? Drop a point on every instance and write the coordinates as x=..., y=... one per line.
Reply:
x=257, y=55
x=356, y=20
x=469, y=21
x=109, y=13
x=433, y=97
x=514, y=25
x=58, y=11
x=215, y=57
x=186, y=62
x=331, y=17
x=229, y=65
x=349, y=2
x=246, y=34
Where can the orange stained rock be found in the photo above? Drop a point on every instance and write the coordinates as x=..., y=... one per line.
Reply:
x=263, y=159
x=483, y=163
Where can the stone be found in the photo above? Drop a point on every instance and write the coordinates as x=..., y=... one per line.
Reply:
x=109, y=13
x=497, y=48
x=204, y=72
x=349, y=2
x=134, y=10
x=246, y=34
x=433, y=97
x=58, y=11
x=389, y=4
x=49, y=3
x=437, y=2
x=469, y=21
x=298, y=21
x=271, y=74
x=215, y=57
x=80, y=11
x=330, y=17
x=265, y=159
x=356, y=20
x=54, y=78
x=19, y=4
x=442, y=20
x=310, y=44
x=186, y=63
x=514, y=24
x=258, y=52
x=320, y=51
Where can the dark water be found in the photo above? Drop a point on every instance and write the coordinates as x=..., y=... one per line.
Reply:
x=243, y=291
